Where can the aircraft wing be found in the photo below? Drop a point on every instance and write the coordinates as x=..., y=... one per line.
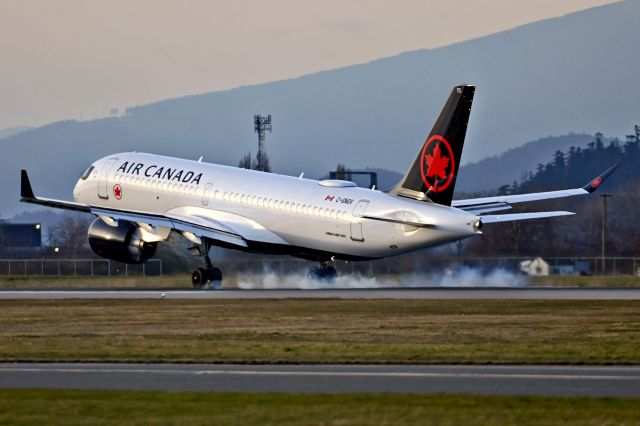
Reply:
x=481, y=206
x=192, y=222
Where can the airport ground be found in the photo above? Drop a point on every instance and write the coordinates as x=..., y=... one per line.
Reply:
x=29, y=407
x=322, y=331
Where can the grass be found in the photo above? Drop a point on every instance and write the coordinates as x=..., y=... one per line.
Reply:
x=52, y=407
x=166, y=281
x=321, y=331
x=586, y=281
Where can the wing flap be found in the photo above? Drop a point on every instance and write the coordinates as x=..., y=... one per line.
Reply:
x=222, y=221
x=180, y=223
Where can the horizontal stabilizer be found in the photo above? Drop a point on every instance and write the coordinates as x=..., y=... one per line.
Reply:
x=495, y=218
x=503, y=202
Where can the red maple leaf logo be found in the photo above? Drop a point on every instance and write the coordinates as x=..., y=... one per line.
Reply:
x=433, y=166
x=117, y=191
x=437, y=164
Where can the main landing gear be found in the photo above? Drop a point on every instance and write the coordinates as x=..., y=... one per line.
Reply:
x=209, y=276
x=324, y=273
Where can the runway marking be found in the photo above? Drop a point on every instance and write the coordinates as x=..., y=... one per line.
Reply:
x=421, y=375
x=505, y=375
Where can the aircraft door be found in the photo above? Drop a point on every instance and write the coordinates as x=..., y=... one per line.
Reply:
x=356, y=227
x=103, y=180
x=206, y=194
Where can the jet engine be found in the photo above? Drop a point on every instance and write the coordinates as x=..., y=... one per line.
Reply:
x=122, y=243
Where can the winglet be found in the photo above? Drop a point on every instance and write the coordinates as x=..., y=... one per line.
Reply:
x=25, y=186
x=596, y=182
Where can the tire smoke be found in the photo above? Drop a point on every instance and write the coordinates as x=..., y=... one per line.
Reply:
x=460, y=277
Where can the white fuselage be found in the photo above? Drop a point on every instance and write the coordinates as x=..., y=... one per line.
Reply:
x=297, y=212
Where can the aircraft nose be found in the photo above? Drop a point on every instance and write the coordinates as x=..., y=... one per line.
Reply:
x=76, y=191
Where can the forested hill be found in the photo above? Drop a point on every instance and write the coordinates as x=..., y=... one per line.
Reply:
x=578, y=235
x=576, y=166
x=495, y=171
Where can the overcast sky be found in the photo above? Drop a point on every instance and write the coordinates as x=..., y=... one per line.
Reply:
x=81, y=58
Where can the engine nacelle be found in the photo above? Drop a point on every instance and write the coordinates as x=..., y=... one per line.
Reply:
x=122, y=243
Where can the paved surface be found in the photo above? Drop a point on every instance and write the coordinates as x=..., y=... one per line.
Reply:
x=528, y=293
x=503, y=380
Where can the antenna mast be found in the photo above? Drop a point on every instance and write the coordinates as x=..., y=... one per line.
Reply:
x=262, y=124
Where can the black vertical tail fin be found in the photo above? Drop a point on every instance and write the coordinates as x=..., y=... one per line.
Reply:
x=433, y=173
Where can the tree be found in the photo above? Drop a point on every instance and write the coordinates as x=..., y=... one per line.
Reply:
x=70, y=233
x=504, y=190
x=599, y=141
x=558, y=159
x=342, y=173
x=245, y=162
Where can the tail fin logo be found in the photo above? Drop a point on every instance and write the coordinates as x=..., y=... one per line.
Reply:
x=437, y=164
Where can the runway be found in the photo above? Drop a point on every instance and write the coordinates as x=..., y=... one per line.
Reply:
x=603, y=381
x=425, y=293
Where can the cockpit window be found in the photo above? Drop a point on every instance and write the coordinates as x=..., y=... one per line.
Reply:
x=86, y=173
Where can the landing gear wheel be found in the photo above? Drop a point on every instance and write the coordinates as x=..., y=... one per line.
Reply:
x=214, y=277
x=209, y=276
x=324, y=274
x=331, y=273
x=199, y=278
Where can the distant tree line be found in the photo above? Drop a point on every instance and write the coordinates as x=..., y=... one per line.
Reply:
x=578, y=235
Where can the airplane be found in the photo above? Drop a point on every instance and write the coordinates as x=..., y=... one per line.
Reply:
x=139, y=199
